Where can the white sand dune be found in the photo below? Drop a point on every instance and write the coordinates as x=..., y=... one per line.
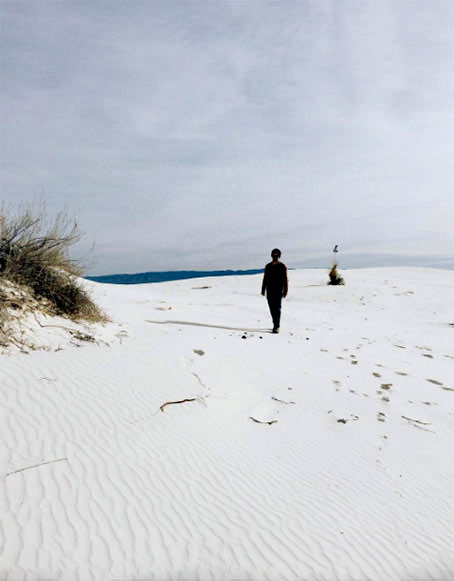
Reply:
x=351, y=478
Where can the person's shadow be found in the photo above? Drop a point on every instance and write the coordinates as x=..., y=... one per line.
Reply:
x=191, y=324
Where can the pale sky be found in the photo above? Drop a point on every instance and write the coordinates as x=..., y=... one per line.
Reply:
x=199, y=135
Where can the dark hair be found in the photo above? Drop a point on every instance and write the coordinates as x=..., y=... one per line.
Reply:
x=276, y=251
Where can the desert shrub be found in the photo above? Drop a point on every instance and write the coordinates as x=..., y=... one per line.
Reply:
x=34, y=254
x=334, y=276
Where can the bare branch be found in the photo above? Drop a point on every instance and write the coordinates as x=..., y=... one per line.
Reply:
x=174, y=402
x=36, y=466
x=270, y=423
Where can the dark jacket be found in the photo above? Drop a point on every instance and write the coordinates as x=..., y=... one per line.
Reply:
x=275, y=279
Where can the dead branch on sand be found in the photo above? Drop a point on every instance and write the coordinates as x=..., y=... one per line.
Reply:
x=417, y=421
x=36, y=466
x=281, y=400
x=174, y=402
x=419, y=424
x=260, y=422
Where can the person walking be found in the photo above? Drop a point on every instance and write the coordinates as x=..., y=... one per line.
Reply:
x=275, y=283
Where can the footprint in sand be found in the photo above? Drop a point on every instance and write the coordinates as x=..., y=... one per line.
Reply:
x=352, y=418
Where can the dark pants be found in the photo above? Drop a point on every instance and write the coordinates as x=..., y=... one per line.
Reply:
x=274, y=302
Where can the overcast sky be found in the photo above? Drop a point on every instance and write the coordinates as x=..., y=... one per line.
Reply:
x=199, y=135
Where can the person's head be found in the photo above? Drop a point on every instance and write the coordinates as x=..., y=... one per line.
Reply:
x=275, y=254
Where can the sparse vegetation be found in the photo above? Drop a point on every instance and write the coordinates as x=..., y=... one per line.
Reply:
x=334, y=276
x=35, y=264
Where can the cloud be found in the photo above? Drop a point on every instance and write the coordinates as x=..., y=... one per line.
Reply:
x=197, y=135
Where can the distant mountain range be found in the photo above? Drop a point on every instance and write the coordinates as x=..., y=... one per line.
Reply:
x=347, y=261
x=142, y=277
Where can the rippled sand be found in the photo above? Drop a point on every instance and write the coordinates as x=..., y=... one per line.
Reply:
x=188, y=442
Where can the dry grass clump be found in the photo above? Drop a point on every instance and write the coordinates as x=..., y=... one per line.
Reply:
x=15, y=303
x=334, y=276
x=34, y=256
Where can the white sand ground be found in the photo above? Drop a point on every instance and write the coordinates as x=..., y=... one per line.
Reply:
x=355, y=479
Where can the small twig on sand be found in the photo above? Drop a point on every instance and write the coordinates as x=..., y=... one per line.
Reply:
x=37, y=465
x=417, y=421
x=419, y=424
x=174, y=402
x=421, y=428
x=281, y=400
x=260, y=422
